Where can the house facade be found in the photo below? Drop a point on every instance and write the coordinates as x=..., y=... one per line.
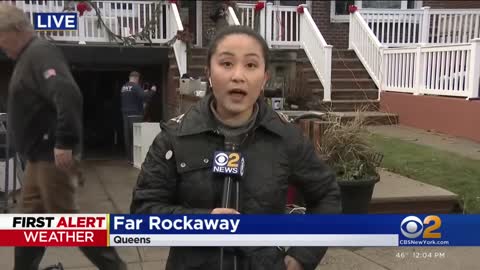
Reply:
x=325, y=56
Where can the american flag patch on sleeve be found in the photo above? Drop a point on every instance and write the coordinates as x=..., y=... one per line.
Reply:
x=49, y=73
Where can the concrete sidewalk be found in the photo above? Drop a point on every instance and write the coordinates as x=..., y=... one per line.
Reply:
x=108, y=190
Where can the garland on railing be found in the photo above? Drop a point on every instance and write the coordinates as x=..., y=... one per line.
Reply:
x=144, y=34
x=83, y=6
x=259, y=6
x=352, y=8
x=300, y=9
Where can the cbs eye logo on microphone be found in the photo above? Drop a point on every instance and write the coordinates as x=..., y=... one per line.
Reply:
x=228, y=163
x=413, y=228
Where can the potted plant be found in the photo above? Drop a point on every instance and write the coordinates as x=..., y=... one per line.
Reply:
x=345, y=147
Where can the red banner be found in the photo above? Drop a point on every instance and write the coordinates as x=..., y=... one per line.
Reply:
x=53, y=238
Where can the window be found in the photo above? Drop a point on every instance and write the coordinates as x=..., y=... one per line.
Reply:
x=382, y=4
x=291, y=2
x=339, y=8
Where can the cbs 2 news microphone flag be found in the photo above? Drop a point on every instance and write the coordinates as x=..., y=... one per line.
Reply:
x=238, y=230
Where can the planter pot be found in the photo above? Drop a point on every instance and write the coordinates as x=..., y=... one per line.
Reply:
x=357, y=194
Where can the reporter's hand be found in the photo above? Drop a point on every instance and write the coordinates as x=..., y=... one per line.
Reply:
x=63, y=159
x=292, y=263
x=224, y=211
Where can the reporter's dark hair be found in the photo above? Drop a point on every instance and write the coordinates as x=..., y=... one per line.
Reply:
x=234, y=30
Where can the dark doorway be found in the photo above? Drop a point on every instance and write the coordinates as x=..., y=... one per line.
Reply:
x=102, y=118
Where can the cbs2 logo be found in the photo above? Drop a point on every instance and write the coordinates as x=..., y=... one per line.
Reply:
x=412, y=227
x=230, y=160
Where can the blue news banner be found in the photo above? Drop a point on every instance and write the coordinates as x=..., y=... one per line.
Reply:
x=294, y=230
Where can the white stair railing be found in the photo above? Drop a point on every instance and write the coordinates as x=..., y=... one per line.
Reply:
x=179, y=47
x=317, y=50
x=232, y=17
x=412, y=26
x=450, y=70
x=367, y=47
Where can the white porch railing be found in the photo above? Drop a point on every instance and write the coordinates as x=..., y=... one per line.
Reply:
x=450, y=70
x=179, y=47
x=123, y=18
x=284, y=27
x=247, y=15
x=439, y=26
x=279, y=25
x=437, y=70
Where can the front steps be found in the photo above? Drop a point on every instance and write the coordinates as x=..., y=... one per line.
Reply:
x=352, y=88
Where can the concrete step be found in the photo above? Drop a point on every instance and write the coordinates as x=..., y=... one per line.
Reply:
x=314, y=83
x=350, y=94
x=197, y=60
x=346, y=63
x=396, y=194
x=196, y=70
x=347, y=105
x=343, y=53
x=199, y=51
x=339, y=73
x=348, y=83
x=353, y=73
x=309, y=72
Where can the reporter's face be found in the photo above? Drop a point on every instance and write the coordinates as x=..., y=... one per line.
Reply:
x=237, y=73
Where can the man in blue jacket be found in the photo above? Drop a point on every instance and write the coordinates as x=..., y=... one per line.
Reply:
x=133, y=98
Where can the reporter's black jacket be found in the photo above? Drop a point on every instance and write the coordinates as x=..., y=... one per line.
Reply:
x=276, y=155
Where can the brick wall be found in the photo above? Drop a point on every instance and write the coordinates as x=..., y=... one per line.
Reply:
x=451, y=4
x=170, y=97
x=335, y=34
x=207, y=23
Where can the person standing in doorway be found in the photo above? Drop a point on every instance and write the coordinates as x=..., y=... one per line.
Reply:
x=45, y=126
x=133, y=97
x=149, y=93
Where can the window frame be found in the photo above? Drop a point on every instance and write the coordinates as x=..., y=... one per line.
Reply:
x=345, y=18
x=308, y=2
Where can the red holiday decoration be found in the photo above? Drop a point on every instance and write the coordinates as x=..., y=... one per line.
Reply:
x=173, y=1
x=82, y=7
x=352, y=8
x=300, y=9
x=259, y=6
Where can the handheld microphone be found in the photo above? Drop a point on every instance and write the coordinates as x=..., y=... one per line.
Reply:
x=232, y=164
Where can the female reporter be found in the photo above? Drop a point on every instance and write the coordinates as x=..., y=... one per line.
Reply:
x=177, y=177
